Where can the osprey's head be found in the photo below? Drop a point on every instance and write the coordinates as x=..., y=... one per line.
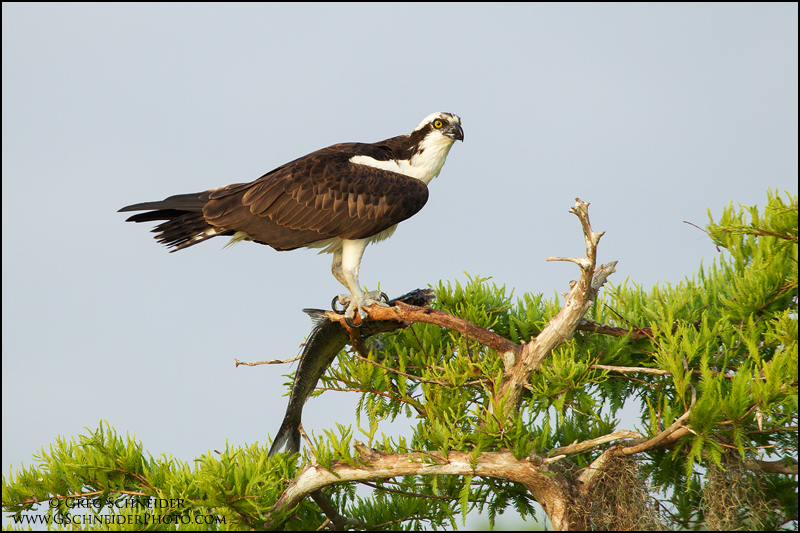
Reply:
x=445, y=124
x=429, y=144
x=421, y=153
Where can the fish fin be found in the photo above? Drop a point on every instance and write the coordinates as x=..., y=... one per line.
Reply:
x=318, y=316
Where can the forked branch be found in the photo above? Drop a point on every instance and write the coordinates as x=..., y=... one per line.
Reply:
x=562, y=326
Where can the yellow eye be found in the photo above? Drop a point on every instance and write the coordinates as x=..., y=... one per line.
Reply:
x=437, y=123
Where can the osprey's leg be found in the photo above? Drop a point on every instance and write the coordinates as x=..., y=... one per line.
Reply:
x=346, y=263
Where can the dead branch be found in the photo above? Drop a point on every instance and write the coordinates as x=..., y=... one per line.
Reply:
x=562, y=326
x=548, y=489
x=577, y=447
x=628, y=369
x=668, y=436
x=267, y=362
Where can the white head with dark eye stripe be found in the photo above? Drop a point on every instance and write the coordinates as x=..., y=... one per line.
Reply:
x=446, y=124
x=420, y=154
x=440, y=131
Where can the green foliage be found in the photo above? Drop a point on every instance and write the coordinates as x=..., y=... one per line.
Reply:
x=724, y=341
x=103, y=476
x=728, y=337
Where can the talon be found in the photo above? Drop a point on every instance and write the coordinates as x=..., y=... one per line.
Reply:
x=354, y=326
x=354, y=303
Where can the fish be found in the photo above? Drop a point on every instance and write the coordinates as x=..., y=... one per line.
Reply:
x=328, y=337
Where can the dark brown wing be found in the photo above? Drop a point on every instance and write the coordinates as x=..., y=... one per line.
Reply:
x=317, y=197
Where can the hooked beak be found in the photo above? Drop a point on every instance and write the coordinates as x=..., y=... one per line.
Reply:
x=454, y=131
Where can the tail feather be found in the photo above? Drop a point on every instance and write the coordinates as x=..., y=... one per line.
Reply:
x=193, y=202
x=185, y=224
x=186, y=230
x=161, y=214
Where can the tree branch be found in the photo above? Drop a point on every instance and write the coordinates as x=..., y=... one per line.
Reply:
x=589, y=444
x=405, y=313
x=675, y=431
x=614, y=331
x=787, y=465
x=339, y=522
x=626, y=369
x=551, y=491
x=562, y=326
x=268, y=362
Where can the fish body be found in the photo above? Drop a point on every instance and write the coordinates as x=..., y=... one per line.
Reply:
x=328, y=337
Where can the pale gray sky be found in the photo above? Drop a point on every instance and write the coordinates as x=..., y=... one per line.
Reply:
x=650, y=112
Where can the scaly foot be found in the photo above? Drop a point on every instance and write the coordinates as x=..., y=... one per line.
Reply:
x=356, y=303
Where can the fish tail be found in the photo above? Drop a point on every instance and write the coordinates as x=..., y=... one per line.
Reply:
x=289, y=436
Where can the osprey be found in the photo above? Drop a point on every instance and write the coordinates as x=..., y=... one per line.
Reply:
x=340, y=199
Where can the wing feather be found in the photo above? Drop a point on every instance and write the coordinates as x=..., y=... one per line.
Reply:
x=315, y=198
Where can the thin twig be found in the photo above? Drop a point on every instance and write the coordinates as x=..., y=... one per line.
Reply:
x=268, y=362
